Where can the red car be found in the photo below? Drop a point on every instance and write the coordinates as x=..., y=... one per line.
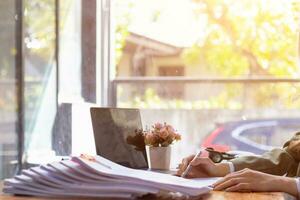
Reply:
x=256, y=136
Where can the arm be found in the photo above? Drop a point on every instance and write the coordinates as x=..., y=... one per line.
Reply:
x=250, y=180
x=277, y=162
x=288, y=185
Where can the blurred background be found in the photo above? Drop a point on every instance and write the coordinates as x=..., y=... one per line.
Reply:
x=224, y=73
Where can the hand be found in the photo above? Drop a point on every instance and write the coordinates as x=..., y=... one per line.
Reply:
x=202, y=167
x=294, y=149
x=250, y=180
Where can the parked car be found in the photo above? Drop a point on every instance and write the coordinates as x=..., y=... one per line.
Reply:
x=255, y=136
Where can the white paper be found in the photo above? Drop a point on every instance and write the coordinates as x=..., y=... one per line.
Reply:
x=164, y=181
x=99, y=177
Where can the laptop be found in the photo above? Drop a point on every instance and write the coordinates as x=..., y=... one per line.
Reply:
x=114, y=130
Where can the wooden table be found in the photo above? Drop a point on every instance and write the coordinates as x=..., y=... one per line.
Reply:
x=211, y=196
x=214, y=195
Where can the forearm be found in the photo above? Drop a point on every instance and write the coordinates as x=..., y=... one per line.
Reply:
x=286, y=184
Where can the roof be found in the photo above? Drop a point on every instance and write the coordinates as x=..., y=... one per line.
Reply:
x=153, y=46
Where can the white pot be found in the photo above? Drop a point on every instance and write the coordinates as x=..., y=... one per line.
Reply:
x=158, y=157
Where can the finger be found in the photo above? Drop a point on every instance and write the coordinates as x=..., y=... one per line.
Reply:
x=188, y=159
x=183, y=165
x=241, y=187
x=199, y=167
x=196, y=173
x=185, y=162
x=200, y=161
x=240, y=171
x=179, y=166
x=178, y=172
x=227, y=184
x=190, y=175
x=238, y=174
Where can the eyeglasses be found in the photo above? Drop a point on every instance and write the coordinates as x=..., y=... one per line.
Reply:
x=217, y=156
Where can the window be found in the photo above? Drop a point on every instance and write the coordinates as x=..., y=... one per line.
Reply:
x=47, y=64
x=8, y=89
x=215, y=62
x=173, y=90
x=40, y=76
x=199, y=65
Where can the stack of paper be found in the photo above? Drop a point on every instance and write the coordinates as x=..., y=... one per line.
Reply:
x=98, y=177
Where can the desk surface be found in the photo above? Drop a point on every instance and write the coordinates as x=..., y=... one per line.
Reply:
x=211, y=196
x=214, y=195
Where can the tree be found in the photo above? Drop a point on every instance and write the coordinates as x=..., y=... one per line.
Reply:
x=249, y=38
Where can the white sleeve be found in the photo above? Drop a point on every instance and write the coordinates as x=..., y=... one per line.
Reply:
x=231, y=167
x=298, y=186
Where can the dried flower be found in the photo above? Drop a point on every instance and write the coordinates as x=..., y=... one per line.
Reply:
x=161, y=135
x=158, y=126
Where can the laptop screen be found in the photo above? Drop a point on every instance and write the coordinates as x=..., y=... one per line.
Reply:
x=116, y=138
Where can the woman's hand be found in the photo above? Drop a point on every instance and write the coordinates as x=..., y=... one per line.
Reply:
x=250, y=180
x=202, y=167
x=294, y=149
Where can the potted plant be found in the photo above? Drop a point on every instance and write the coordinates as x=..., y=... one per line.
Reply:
x=158, y=142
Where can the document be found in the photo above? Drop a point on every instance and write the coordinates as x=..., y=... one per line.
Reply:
x=103, y=166
x=95, y=176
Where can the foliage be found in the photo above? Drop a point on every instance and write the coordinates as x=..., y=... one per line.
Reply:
x=246, y=38
x=39, y=47
x=7, y=37
x=39, y=35
x=122, y=17
x=232, y=97
x=151, y=100
x=249, y=38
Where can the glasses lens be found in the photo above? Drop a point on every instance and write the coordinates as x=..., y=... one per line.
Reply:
x=215, y=157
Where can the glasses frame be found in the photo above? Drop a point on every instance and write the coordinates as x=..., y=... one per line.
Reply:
x=217, y=156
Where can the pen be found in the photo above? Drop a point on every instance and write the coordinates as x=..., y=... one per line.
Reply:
x=189, y=165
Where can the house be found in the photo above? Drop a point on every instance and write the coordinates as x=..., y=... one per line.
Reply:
x=143, y=56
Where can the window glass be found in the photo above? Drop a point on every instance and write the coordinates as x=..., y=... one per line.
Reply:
x=50, y=88
x=8, y=98
x=70, y=51
x=282, y=133
x=48, y=107
x=200, y=62
x=70, y=76
x=40, y=76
